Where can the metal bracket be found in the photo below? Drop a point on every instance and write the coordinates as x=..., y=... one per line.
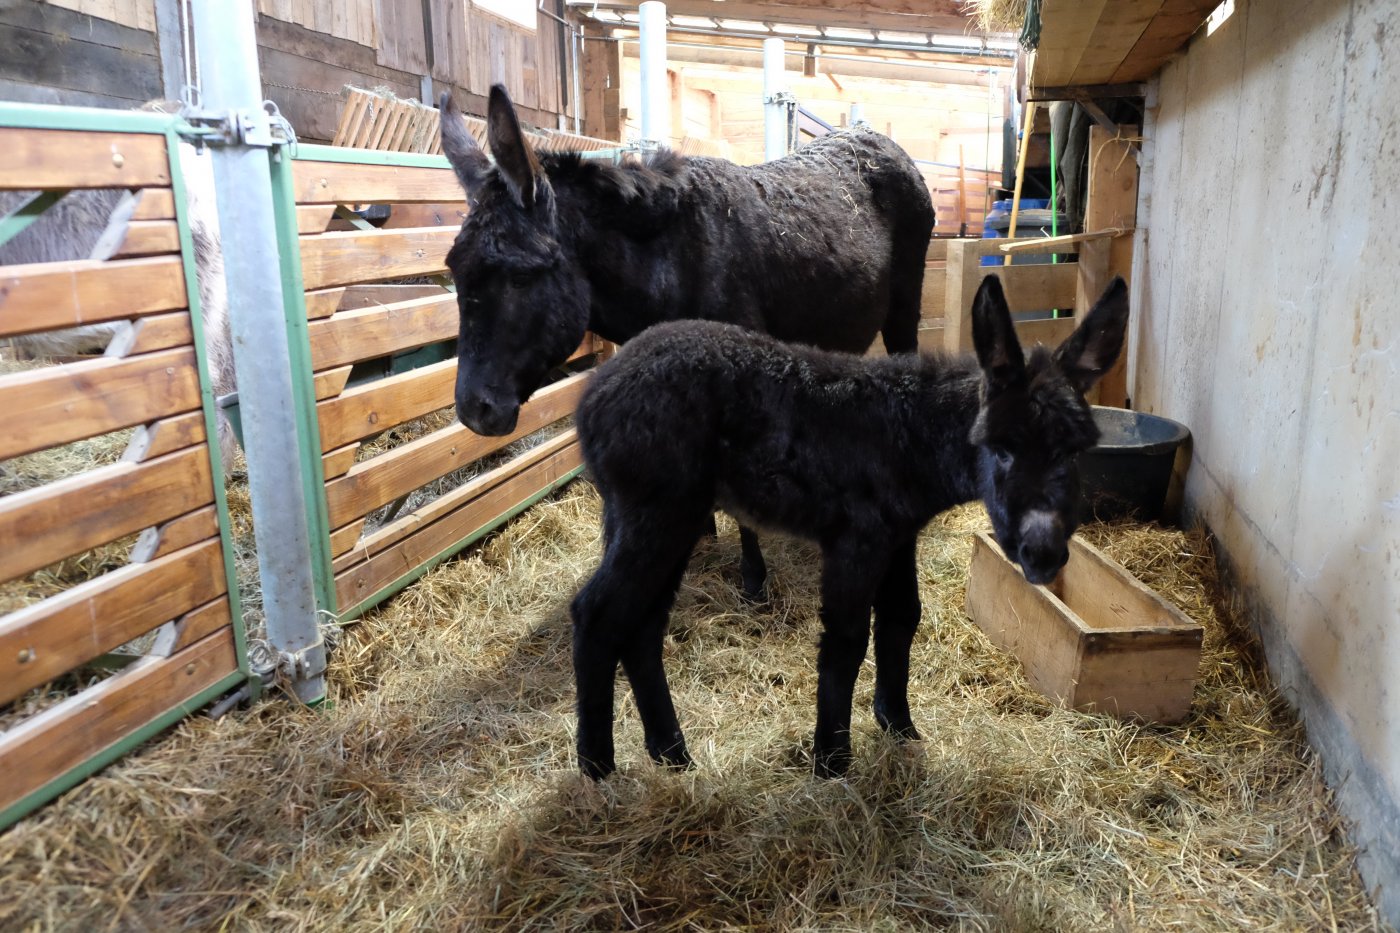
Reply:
x=305, y=664
x=264, y=129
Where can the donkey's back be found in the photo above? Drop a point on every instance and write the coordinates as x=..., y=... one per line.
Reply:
x=826, y=245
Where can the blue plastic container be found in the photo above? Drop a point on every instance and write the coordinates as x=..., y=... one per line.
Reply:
x=1034, y=219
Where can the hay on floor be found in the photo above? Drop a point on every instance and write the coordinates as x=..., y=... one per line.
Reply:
x=437, y=790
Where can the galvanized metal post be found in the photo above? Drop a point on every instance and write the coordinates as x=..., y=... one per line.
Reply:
x=656, y=91
x=775, y=111
x=273, y=430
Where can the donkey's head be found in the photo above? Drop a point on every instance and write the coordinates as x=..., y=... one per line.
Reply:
x=1033, y=422
x=521, y=293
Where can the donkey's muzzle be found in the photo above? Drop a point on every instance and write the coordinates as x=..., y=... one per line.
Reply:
x=488, y=414
x=1044, y=546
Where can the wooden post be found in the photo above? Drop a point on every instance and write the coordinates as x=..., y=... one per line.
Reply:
x=963, y=260
x=602, y=71
x=1093, y=279
x=1020, y=174
x=962, y=193
x=1112, y=202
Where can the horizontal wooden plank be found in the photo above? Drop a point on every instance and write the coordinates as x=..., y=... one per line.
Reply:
x=331, y=382
x=388, y=535
x=378, y=481
x=178, y=533
x=72, y=401
x=369, y=296
x=314, y=218
x=323, y=302
x=355, y=256
x=351, y=336
x=49, y=295
x=161, y=437
x=81, y=159
x=149, y=334
x=149, y=237
x=345, y=538
x=197, y=624
x=365, y=410
x=1049, y=331
x=101, y=505
x=1037, y=287
x=154, y=204
x=351, y=183
x=57, y=740
x=492, y=500
x=339, y=461
x=50, y=638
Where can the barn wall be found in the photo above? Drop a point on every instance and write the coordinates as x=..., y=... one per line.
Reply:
x=1266, y=321
x=87, y=53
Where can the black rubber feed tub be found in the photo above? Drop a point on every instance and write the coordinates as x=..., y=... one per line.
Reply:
x=1127, y=473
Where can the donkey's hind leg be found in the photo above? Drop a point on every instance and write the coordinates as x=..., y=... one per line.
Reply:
x=897, y=612
x=752, y=568
x=907, y=255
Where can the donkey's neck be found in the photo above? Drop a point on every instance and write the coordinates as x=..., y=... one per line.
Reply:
x=939, y=422
x=631, y=288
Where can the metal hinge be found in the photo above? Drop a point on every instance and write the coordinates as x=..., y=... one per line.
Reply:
x=263, y=129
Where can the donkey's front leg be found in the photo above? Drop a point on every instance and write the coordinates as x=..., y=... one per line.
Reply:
x=752, y=568
x=849, y=576
x=897, y=612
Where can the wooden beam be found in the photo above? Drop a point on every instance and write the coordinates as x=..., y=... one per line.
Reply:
x=81, y=159
x=375, y=482
x=1097, y=91
x=351, y=336
x=50, y=295
x=93, y=508
x=354, y=257
x=50, y=638
x=943, y=16
x=79, y=400
x=353, y=183
x=53, y=742
x=477, y=505
x=1068, y=239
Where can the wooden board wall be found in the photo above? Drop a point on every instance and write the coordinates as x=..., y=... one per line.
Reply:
x=104, y=53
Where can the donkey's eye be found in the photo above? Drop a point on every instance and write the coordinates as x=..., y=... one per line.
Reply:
x=520, y=279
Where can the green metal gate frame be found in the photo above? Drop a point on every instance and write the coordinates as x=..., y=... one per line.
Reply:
x=312, y=473
x=36, y=117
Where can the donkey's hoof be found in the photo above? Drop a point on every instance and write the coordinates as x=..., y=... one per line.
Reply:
x=674, y=757
x=899, y=725
x=597, y=770
x=831, y=763
x=755, y=593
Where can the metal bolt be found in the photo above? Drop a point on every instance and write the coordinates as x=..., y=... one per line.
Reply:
x=118, y=159
x=190, y=669
x=26, y=655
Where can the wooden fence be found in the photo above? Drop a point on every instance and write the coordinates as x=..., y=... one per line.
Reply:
x=382, y=355
x=132, y=553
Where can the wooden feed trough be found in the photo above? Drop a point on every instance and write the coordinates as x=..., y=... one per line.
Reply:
x=1095, y=639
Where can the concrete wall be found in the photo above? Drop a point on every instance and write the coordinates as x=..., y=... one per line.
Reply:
x=1267, y=319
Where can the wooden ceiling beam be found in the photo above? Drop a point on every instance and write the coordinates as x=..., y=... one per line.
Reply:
x=940, y=16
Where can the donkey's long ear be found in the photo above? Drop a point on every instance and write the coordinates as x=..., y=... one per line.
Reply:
x=1091, y=350
x=994, y=336
x=514, y=156
x=468, y=160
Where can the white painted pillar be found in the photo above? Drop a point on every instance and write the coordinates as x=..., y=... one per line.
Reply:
x=775, y=134
x=656, y=92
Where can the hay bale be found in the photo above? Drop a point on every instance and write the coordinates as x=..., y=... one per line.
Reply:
x=438, y=790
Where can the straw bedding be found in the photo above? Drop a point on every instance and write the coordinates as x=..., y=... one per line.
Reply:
x=437, y=789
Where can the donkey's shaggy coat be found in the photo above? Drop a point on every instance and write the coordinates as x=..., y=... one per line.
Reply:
x=856, y=454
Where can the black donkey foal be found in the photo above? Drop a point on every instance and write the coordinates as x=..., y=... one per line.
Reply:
x=854, y=453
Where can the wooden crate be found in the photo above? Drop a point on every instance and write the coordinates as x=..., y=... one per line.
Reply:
x=1095, y=639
